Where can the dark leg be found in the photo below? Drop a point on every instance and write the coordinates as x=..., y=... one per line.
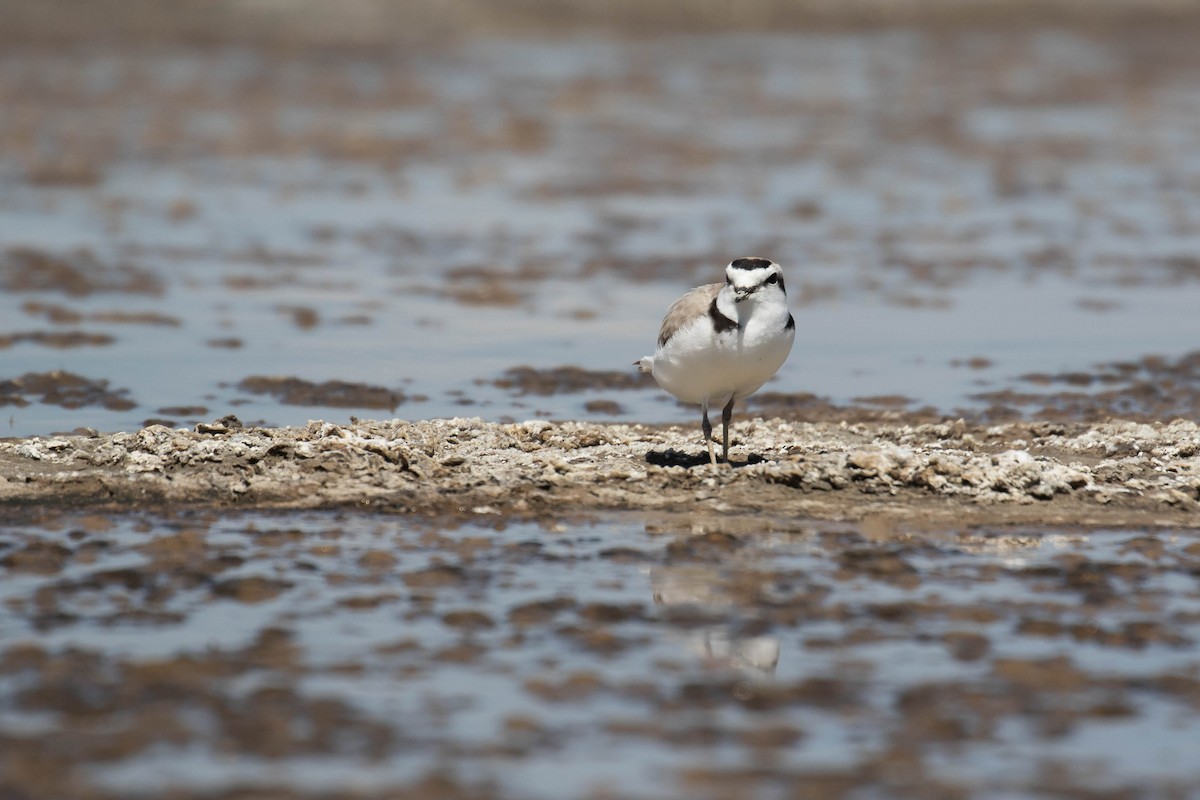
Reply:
x=726, y=415
x=707, y=427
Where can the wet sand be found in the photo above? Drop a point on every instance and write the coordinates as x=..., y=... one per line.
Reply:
x=950, y=473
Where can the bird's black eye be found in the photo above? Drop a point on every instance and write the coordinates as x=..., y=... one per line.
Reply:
x=774, y=278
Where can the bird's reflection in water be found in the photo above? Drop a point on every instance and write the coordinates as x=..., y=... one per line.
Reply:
x=716, y=644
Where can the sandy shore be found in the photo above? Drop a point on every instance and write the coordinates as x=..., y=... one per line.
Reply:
x=1111, y=473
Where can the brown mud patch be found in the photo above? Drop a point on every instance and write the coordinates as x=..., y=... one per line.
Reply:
x=65, y=171
x=64, y=389
x=569, y=379
x=1114, y=472
x=806, y=406
x=135, y=318
x=1150, y=388
x=303, y=317
x=169, y=416
x=330, y=394
x=61, y=340
x=483, y=286
x=77, y=274
x=62, y=315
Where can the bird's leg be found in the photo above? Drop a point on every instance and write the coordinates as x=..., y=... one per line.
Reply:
x=726, y=415
x=706, y=426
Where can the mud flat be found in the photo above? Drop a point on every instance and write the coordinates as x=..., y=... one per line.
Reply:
x=1115, y=472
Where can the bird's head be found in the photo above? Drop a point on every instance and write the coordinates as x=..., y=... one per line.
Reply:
x=750, y=277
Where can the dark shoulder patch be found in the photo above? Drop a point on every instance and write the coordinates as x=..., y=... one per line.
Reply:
x=750, y=263
x=721, y=323
x=791, y=323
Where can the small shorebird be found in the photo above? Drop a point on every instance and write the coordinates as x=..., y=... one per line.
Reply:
x=720, y=342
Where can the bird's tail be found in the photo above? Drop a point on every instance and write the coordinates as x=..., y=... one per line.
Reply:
x=645, y=364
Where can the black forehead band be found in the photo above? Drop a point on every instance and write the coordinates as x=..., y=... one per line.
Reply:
x=750, y=263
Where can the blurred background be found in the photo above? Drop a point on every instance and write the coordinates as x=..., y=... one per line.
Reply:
x=291, y=209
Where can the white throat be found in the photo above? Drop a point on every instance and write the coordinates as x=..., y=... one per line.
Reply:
x=766, y=306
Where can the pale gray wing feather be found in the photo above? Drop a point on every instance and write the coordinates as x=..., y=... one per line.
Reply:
x=693, y=304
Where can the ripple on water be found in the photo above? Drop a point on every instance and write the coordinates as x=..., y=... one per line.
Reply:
x=664, y=657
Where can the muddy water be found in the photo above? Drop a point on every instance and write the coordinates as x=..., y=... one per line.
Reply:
x=957, y=211
x=609, y=657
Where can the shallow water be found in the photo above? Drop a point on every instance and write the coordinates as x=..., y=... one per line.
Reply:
x=601, y=657
x=425, y=221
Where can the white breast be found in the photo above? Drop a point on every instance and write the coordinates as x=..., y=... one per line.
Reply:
x=697, y=365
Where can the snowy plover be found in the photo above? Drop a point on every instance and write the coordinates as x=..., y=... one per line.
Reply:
x=720, y=342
